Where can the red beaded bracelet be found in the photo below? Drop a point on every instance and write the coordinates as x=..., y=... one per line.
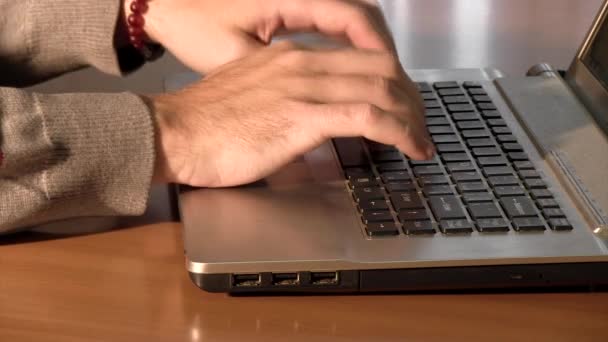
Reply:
x=137, y=34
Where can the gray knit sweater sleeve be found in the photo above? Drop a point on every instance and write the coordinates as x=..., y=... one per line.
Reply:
x=67, y=155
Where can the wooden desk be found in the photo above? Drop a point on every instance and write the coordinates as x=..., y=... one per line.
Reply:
x=131, y=284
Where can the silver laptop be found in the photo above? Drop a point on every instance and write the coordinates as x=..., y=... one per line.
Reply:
x=516, y=197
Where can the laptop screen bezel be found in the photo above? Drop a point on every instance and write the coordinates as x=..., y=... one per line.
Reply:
x=583, y=81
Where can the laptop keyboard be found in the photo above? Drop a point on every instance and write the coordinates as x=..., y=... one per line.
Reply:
x=480, y=180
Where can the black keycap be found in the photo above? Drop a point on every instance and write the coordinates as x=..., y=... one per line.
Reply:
x=529, y=174
x=553, y=213
x=441, y=130
x=490, y=161
x=505, y=138
x=477, y=91
x=460, y=108
x=470, y=125
x=444, y=138
x=486, y=106
x=455, y=99
x=559, y=224
x=400, y=186
x=496, y=122
x=373, y=205
x=395, y=166
x=501, y=130
x=517, y=156
x=481, y=98
x=518, y=206
x=484, y=210
x=475, y=133
x=413, y=215
x=502, y=180
x=357, y=172
x=460, y=166
x=427, y=170
x=424, y=87
x=386, y=156
x=469, y=176
x=437, y=121
x=490, y=114
x=497, y=170
x=450, y=91
x=473, y=197
x=368, y=193
x=424, y=162
x=544, y=203
x=455, y=157
x=486, y=151
x=528, y=224
x=376, y=216
x=471, y=187
x=432, y=179
x=446, y=207
x=442, y=148
x=378, y=147
x=540, y=193
x=443, y=85
x=455, y=226
x=430, y=190
x=394, y=176
x=428, y=104
x=434, y=112
x=418, y=227
x=381, y=229
x=406, y=200
x=428, y=96
x=535, y=183
x=512, y=147
x=492, y=225
x=481, y=142
x=509, y=190
x=362, y=182
x=524, y=165
x=350, y=152
x=471, y=84
x=464, y=116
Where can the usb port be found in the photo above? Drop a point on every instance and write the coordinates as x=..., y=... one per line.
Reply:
x=285, y=279
x=324, y=278
x=246, y=280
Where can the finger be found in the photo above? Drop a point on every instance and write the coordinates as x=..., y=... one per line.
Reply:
x=336, y=17
x=372, y=123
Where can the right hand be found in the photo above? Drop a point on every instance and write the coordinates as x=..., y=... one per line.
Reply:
x=254, y=115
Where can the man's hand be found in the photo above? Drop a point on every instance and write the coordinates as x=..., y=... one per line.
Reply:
x=205, y=34
x=254, y=115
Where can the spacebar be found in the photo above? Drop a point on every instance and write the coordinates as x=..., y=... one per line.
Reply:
x=446, y=207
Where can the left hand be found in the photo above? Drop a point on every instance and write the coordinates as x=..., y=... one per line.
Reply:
x=205, y=34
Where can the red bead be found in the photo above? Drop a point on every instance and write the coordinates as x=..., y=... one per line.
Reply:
x=136, y=31
x=139, y=6
x=138, y=45
x=136, y=20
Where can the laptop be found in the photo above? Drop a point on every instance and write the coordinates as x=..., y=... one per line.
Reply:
x=517, y=196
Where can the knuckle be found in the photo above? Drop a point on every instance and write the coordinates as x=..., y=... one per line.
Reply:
x=293, y=57
x=369, y=115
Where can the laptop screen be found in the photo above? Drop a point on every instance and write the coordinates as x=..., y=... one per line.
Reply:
x=596, y=58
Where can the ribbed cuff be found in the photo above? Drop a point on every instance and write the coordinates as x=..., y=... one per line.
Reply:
x=66, y=34
x=103, y=153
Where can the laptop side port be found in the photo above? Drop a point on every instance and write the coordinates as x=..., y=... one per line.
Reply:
x=285, y=279
x=324, y=278
x=246, y=280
